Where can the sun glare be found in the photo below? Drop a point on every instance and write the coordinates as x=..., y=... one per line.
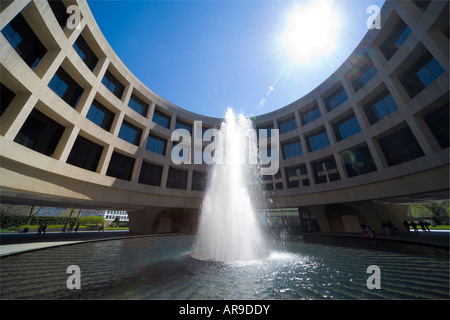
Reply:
x=310, y=31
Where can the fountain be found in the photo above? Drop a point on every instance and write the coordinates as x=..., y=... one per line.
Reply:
x=229, y=228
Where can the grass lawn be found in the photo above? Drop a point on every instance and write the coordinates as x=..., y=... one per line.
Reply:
x=438, y=227
x=443, y=227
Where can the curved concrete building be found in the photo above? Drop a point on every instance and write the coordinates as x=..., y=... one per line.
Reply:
x=78, y=129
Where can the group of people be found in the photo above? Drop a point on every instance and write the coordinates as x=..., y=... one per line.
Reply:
x=423, y=224
x=368, y=232
x=70, y=228
x=388, y=227
x=42, y=228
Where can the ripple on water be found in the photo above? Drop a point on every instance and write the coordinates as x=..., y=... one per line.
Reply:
x=162, y=268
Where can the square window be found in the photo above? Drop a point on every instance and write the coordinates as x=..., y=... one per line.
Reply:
x=161, y=119
x=85, y=154
x=336, y=98
x=113, y=85
x=346, y=127
x=100, y=115
x=358, y=161
x=317, y=141
x=150, y=174
x=292, y=149
x=120, y=166
x=156, y=144
x=40, y=133
x=130, y=133
x=65, y=87
x=401, y=146
x=24, y=41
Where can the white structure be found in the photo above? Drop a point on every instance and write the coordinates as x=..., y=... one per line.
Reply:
x=111, y=215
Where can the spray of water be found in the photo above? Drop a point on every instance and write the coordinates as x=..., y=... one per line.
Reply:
x=229, y=229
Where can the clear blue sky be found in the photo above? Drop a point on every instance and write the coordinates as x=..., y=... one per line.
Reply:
x=205, y=56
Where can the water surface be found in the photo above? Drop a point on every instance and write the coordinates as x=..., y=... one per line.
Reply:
x=160, y=267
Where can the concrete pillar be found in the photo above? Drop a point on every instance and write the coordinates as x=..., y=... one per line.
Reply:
x=141, y=221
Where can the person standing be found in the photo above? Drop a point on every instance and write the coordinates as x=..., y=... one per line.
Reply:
x=413, y=224
x=406, y=224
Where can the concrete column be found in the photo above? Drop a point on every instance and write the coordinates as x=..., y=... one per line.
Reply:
x=141, y=221
x=21, y=117
x=137, y=169
x=104, y=159
x=66, y=142
x=189, y=179
x=127, y=94
x=85, y=101
x=152, y=110
x=165, y=173
x=424, y=136
x=16, y=114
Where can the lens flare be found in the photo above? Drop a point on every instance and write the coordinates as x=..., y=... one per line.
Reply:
x=311, y=31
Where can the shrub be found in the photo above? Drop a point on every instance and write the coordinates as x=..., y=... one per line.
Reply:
x=15, y=221
x=91, y=220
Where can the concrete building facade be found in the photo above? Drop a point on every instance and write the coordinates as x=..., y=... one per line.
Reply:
x=79, y=129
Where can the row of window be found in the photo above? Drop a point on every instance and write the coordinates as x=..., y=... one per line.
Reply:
x=417, y=77
x=398, y=147
x=420, y=75
x=343, y=128
x=121, y=167
x=42, y=134
x=25, y=42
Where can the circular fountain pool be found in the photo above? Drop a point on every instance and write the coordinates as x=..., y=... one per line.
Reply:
x=160, y=267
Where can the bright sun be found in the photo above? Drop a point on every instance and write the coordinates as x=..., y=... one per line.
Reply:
x=310, y=31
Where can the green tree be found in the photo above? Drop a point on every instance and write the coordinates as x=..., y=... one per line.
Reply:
x=436, y=208
x=32, y=212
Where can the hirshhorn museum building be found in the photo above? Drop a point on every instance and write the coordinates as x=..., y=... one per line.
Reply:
x=78, y=129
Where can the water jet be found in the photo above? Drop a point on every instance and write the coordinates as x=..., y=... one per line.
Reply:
x=229, y=229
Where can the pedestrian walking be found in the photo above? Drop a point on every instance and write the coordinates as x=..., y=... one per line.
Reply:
x=42, y=228
x=422, y=225
x=413, y=224
x=406, y=224
x=426, y=225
